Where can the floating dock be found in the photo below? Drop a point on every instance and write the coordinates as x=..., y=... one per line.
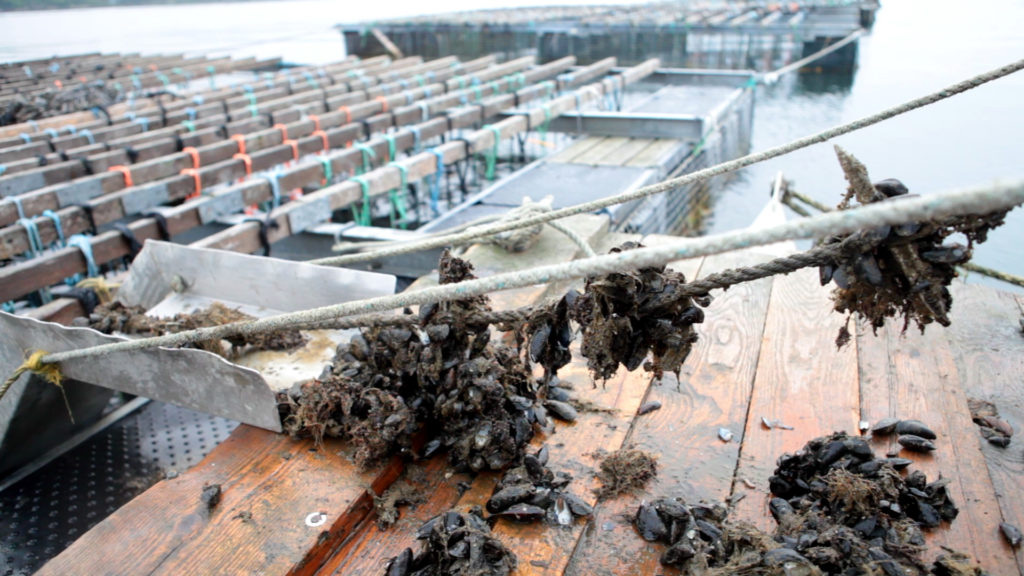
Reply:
x=743, y=35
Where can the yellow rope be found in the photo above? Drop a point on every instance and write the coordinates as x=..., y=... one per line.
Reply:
x=49, y=372
x=104, y=290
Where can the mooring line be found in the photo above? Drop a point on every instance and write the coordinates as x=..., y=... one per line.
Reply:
x=939, y=205
x=698, y=176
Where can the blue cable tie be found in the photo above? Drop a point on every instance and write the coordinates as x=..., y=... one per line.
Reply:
x=144, y=122
x=426, y=92
x=198, y=100
x=425, y=109
x=34, y=125
x=275, y=187
x=54, y=67
x=417, y=136
x=81, y=241
x=51, y=133
x=191, y=112
x=88, y=135
x=17, y=204
x=56, y=224
x=435, y=186
x=403, y=83
x=130, y=116
x=35, y=243
x=137, y=70
x=25, y=137
x=3, y=168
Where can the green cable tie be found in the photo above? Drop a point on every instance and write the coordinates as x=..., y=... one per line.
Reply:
x=420, y=80
x=391, y=146
x=543, y=128
x=462, y=82
x=397, y=197
x=189, y=125
x=368, y=154
x=328, y=170
x=495, y=87
x=511, y=81
x=362, y=217
x=477, y=92
x=491, y=158
x=163, y=78
x=254, y=110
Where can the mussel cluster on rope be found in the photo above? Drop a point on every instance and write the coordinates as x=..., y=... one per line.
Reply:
x=476, y=398
x=899, y=270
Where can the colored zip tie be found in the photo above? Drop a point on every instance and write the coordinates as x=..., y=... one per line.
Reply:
x=193, y=152
x=56, y=226
x=196, y=179
x=189, y=125
x=33, y=124
x=163, y=79
x=491, y=158
x=71, y=129
x=328, y=171
x=397, y=197
x=3, y=169
x=368, y=154
x=275, y=189
x=191, y=112
x=477, y=92
x=392, y=152
x=35, y=243
x=142, y=121
x=435, y=186
x=198, y=100
x=88, y=135
x=124, y=170
x=311, y=80
x=362, y=217
x=543, y=128
x=424, y=111
x=81, y=241
x=420, y=80
x=295, y=148
x=240, y=140
x=323, y=138
x=316, y=122
x=417, y=137
x=51, y=133
x=283, y=129
x=25, y=137
x=383, y=103
x=248, y=162
x=348, y=113
x=17, y=204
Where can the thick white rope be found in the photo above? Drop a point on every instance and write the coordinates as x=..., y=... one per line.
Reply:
x=668, y=185
x=772, y=77
x=933, y=206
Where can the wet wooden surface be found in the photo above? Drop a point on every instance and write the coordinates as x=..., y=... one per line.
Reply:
x=766, y=351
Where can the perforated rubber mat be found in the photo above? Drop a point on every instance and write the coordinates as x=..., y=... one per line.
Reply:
x=44, y=513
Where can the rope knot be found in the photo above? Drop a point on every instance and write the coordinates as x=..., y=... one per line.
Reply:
x=50, y=372
x=521, y=239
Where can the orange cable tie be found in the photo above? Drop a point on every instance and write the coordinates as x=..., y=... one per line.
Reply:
x=240, y=140
x=194, y=153
x=248, y=162
x=125, y=171
x=196, y=179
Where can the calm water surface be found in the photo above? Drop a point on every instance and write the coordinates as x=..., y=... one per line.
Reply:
x=915, y=47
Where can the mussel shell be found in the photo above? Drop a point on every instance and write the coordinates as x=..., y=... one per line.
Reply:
x=916, y=428
x=649, y=523
x=400, y=565
x=885, y=426
x=999, y=440
x=1011, y=533
x=825, y=273
x=867, y=268
x=648, y=407
x=891, y=187
x=678, y=553
x=915, y=443
x=946, y=255
x=898, y=463
x=780, y=508
x=522, y=512
x=784, y=557
x=577, y=505
x=561, y=410
x=563, y=514
x=506, y=497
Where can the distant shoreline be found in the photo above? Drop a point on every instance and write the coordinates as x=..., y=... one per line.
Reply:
x=41, y=5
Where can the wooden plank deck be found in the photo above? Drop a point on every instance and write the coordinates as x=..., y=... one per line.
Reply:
x=766, y=350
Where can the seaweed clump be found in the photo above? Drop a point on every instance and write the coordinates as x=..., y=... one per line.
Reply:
x=116, y=317
x=627, y=315
x=903, y=270
x=625, y=470
x=838, y=510
x=455, y=544
x=442, y=376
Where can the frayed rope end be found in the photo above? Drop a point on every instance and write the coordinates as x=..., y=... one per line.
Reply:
x=49, y=372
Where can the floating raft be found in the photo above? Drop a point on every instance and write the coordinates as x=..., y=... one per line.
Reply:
x=766, y=350
x=708, y=35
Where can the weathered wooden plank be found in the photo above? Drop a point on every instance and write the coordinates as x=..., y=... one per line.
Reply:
x=594, y=154
x=988, y=347
x=652, y=155
x=623, y=154
x=575, y=149
x=712, y=392
x=914, y=376
x=801, y=380
x=270, y=484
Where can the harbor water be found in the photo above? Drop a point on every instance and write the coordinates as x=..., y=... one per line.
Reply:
x=915, y=47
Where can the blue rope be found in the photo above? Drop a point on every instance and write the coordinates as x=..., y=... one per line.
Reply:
x=25, y=137
x=56, y=224
x=17, y=204
x=275, y=188
x=71, y=128
x=88, y=135
x=51, y=133
x=81, y=241
x=417, y=138
x=435, y=185
x=32, y=231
